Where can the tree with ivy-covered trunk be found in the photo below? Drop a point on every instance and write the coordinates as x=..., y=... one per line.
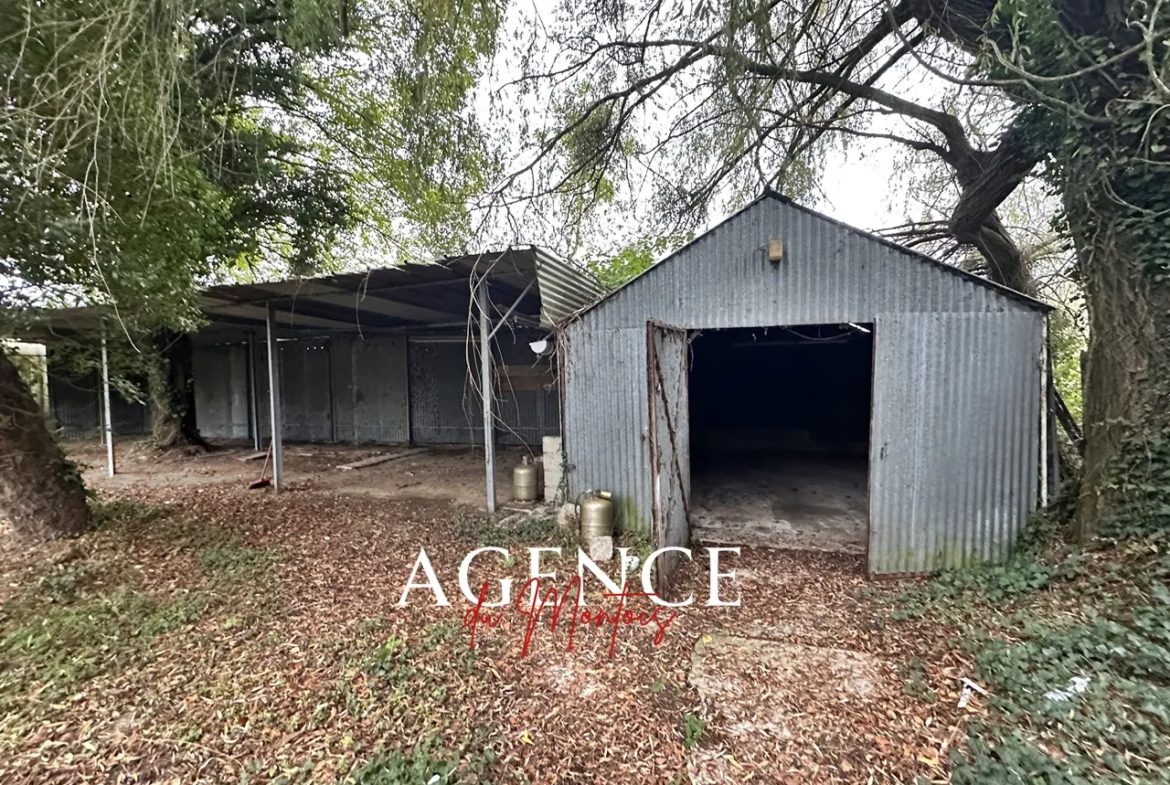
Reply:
x=707, y=104
x=150, y=147
x=1096, y=76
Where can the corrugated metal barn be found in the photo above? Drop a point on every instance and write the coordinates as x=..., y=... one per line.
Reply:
x=389, y=356
x=787, y=380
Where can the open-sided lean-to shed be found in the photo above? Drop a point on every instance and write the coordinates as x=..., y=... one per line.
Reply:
x=393, y=355
x=935, y=379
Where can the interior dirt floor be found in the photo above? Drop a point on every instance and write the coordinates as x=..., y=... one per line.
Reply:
x=800, y=502
x=454, y=474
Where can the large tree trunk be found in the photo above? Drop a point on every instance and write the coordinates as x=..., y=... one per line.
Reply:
x=172, y=390
x=41, y=493
x=1125, y=485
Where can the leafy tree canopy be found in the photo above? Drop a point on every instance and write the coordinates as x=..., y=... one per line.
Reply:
x=147, y=146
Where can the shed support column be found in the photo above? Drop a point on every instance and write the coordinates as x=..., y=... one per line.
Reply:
x=485, y=362
x=107, y=421
x=253, y=394
x=274, y=399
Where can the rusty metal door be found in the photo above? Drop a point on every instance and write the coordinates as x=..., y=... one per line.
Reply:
x=668, y=355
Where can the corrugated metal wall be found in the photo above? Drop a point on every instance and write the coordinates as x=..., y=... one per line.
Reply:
x=954, y=451
x=221, y=392
x=307, y=390
x=606, y=430
x=830, y=274
x=387, y=390
x=525, y=416
x=74, y=404
x=370, y=391
x=444, y=408
x=335, y=390
x=73, y=401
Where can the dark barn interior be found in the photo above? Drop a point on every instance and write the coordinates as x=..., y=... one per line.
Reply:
x=779, y=422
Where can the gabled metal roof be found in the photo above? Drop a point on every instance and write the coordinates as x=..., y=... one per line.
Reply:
x=911, y=256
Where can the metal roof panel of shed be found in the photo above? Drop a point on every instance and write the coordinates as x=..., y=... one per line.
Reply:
x=417, y=296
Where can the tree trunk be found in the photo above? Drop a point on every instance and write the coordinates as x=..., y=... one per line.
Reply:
x=41, y=493
x=1125, y=485
x=172, y=389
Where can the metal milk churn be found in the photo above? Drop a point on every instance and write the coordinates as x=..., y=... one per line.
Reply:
x=596, y=515
x=524, y=481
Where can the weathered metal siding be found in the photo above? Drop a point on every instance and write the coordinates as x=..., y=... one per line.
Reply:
x=370, y=395
x=263, y=412
x=358, y=391
x=954, y=455
x=606, y=428
x=306, y=390
x=221, y=390
x=564, y=289
x=829, y=274
x=73, y=403
x=670, y=448
x=444, y=408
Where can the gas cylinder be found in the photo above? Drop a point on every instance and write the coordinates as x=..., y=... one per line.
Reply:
x=524, y=481
x=596, y=516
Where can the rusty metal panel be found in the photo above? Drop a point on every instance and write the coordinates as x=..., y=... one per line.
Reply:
x=564, y=289
x=221, y=390
x=444, y=407
x=370, y=396
x=260, y=370
x=606, y=420
x=668, y=393
x=528, y=405
x=526, y=416
x=954, y=451
x=74, y=404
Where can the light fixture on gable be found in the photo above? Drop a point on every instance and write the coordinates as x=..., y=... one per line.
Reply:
x=775, y=250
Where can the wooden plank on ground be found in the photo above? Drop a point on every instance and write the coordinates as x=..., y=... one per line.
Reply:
x=252, y=456
x=375, y=460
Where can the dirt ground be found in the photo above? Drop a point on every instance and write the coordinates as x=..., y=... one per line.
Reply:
x=258, y=637
x=453, y=474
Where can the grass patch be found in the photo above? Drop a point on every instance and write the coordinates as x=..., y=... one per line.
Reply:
x=234, y=563
x=122, y=512
x=63, y=646
x=1034, y=565
x=482, y=530
x=426, y=764
x=390, y=663
x=916, y=681
x=63, y=583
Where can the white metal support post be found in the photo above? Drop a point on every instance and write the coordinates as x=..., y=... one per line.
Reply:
x=108, y=422
x=485, y=362
x=274, y=399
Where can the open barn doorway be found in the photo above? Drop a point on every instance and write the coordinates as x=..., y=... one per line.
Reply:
x=779, y=428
